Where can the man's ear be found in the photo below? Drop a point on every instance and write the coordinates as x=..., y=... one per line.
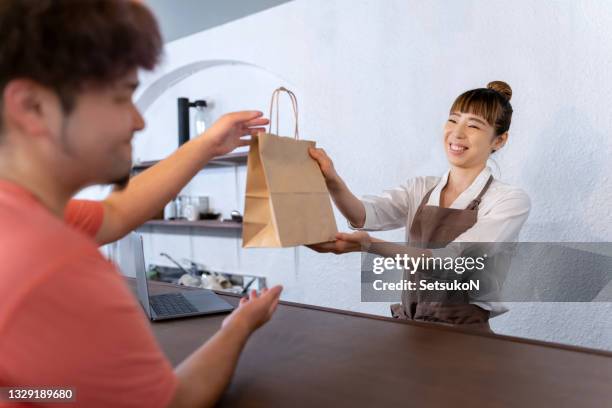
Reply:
x=31, y=108
x=499, y=141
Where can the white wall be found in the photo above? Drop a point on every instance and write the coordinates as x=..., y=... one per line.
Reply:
x=375, y=80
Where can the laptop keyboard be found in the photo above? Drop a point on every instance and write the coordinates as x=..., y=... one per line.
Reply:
x=171, y=304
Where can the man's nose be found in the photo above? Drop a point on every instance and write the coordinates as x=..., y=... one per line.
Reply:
x=139, y=122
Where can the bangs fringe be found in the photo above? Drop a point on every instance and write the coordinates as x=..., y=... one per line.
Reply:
x=481, y=102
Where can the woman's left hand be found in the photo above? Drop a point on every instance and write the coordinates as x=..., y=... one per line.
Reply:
x=354, y=242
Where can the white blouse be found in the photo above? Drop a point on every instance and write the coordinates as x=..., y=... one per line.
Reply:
x=501, y=215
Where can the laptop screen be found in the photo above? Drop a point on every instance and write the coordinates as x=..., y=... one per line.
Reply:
x=141, y=275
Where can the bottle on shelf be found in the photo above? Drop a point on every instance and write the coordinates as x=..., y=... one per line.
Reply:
x=181, y=202
x=170, y=210
x=190, y=209
x=200, y=116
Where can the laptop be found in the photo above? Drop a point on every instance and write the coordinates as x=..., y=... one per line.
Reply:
x=194, y=302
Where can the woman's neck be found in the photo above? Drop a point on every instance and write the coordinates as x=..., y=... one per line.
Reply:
x=459, y=179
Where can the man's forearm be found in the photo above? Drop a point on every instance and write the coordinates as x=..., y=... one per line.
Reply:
x=148, y=192
x=205, y=374
x=349, y=205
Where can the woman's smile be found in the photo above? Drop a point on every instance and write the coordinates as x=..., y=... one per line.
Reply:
x=457, y=149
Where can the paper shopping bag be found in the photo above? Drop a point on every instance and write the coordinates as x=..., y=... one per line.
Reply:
x=287, y=202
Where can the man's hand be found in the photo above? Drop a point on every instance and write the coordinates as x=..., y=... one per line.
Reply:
x=226, y=133
x=254, y=311
x=207, y=372
x=148, y=192
x=345, y=243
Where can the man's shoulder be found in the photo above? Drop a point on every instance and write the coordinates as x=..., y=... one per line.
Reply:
x=34, y=250
x=37, y=236
x=85, y=216
x=77, y=281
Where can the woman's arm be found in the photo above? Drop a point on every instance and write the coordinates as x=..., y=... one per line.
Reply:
x=349, y=205
x=361, y=241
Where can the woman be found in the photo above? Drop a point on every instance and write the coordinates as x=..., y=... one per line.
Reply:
x=443, y=215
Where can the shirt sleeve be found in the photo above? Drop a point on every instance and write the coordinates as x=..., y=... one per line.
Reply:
x=85, y=215
x=86, y=331
x=391, y=209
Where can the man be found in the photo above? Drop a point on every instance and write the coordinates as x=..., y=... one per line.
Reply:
x=68, y=69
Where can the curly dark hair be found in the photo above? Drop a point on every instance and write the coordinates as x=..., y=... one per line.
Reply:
x=67, y=44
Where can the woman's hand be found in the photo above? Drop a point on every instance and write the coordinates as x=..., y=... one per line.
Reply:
x=226, y=133
x=349, y=205
x=327, y=166
x=354, y=242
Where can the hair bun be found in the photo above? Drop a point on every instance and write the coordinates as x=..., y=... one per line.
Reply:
x=501, y=87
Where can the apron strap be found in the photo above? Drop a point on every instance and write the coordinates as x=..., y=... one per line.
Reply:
x=476, y=202
x=425, y=199
x=473, y=204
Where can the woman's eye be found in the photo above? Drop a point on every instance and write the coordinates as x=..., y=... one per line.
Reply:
x=474, y=126
x=452, y=121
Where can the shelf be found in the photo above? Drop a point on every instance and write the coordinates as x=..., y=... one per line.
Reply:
x=231, y=159
x=205, y=224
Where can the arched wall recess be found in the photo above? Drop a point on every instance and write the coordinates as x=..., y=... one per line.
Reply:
x=168, y=80
x=228, y=85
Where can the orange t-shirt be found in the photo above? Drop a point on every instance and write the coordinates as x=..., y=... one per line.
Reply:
x=67, y=317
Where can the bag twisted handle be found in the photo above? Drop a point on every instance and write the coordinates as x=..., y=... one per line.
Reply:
x=294, y=104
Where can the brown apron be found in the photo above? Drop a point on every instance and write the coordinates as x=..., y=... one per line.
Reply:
x=436, y=227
